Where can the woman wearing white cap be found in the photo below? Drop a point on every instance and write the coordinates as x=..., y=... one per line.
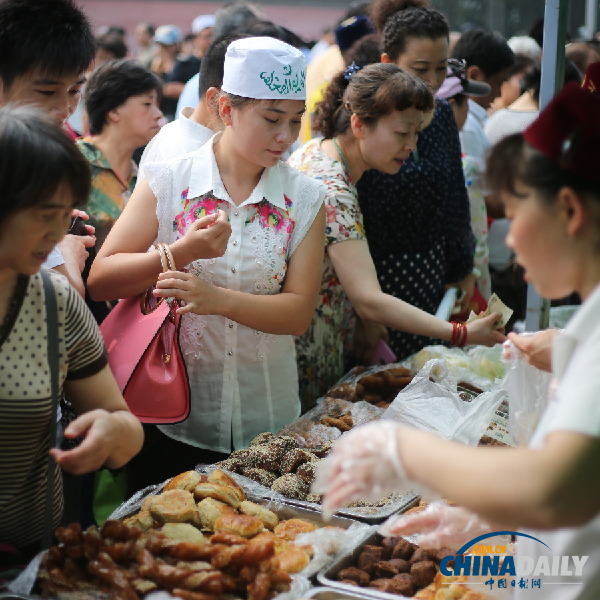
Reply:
x=244, y=298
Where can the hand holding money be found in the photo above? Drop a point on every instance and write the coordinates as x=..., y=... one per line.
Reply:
x=495, y=305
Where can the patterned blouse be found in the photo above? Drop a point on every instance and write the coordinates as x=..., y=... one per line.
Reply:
x=109, y=194
x=418, y=223
x=323, y=348
x=243, y=381
x=25, y=405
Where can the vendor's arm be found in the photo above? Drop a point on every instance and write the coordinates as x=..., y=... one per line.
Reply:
x=112, y=434
x=287, y=313
x=356, y=272
x=124, y=267
x=553, y=486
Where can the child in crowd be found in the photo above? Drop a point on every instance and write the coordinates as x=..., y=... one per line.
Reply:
x=370, y=119
x=246, y=232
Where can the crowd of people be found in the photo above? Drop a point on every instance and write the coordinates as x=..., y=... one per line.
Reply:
x=317, y=205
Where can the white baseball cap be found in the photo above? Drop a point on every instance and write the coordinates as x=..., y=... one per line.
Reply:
x=202, y=22
x=264, y=68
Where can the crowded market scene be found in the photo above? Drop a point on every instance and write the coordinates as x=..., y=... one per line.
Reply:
x=298, y=301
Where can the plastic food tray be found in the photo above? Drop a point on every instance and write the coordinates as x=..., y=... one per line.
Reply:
x=327, y=593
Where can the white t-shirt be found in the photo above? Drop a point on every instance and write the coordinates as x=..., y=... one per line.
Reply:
x=176, y=138
x=243, y=381
x=473, y=140
x=575, y=406
x=190, y=95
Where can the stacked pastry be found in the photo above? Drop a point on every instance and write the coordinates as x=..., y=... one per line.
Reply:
x=200, y=539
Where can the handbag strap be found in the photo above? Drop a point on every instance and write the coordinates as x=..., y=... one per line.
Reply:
x=53, y=352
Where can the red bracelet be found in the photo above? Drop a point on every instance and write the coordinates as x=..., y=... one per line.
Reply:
x=459, y=334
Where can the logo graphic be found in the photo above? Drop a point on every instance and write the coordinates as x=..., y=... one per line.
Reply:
x=479, y=559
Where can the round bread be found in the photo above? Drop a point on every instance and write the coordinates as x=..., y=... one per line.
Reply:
x=291, y=486
x=173, y=506
x=243, y=525
x=223, y=493
x=184, y=481
x=209, y=510
x=183, y=532
x=289, y=529
x=222, y=478
x=292, y=560
x=269, y=519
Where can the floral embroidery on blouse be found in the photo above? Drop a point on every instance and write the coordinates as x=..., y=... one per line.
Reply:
x=194, y=209
x=270, y=217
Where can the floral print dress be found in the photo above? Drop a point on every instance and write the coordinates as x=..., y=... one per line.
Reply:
x=323, y=349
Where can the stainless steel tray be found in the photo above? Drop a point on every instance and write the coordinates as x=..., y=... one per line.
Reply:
x=327, y=575
x=327, y=593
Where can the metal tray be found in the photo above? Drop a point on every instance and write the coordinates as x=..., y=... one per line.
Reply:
x=327, y=575
x=327, y=593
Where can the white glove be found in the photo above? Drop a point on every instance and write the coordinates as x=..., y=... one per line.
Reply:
x=364, y=464
x=437, y=526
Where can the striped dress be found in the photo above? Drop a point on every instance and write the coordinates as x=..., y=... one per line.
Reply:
x=25, y=406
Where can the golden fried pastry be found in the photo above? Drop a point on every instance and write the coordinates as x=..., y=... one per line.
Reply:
x=292, y=560
x=183, y=532
x=218, y=491
x=142, y=519
x=245, y=526
x=184, y=481
x=209, y=510
x=146, y=502
x=288, y=530
x=174, y=506
x=268, y=518
x=222, y=478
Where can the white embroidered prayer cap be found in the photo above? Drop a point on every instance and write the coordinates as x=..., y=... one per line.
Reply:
x=264, y=68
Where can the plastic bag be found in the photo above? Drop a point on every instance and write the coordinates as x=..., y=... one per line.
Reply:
x=431, y=403
x=527, y=389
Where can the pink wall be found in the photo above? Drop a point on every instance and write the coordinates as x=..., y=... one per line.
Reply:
x=307, y=22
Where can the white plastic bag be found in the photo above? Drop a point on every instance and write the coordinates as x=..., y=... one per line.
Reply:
x=436, y=406
x=527, y=389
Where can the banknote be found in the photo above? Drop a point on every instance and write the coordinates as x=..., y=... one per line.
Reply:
x=494, y=305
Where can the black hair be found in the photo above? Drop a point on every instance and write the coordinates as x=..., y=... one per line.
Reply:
x=37, y=158
x=533, y=79
x=235, y=15
x=418, y=22
x=381, y=10
x=370, y=93
x=111, y=84
x=486, y=49
x=211, y=67
x=54, y=37
x=512, y=160
x=116, y=30
x=149, y=29
x=112, y=43
x=365, y=51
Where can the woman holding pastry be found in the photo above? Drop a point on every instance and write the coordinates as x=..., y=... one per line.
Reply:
x=43, y=177
x=246, y=232
x=549, y=181
x=370, y=118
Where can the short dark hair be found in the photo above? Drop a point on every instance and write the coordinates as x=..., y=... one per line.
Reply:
x=417, y=22
x=112, y=43
x=211, y=67
x=485, y=49
x=37, y=158
x=380, y=11
x=370, y=93
x=55, y=37
x=111, y=84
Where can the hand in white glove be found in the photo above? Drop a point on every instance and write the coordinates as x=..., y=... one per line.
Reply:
x=437, y=526
x=364, y=464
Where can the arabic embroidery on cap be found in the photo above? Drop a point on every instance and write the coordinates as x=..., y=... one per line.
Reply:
x=285, y=84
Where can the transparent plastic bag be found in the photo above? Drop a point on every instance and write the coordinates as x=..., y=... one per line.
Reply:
x=527, y=389
x=431, y=403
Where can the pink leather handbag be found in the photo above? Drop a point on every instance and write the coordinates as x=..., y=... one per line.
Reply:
x=142, y=343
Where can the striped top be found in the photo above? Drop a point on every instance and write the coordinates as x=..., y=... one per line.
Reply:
x=25, y=405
